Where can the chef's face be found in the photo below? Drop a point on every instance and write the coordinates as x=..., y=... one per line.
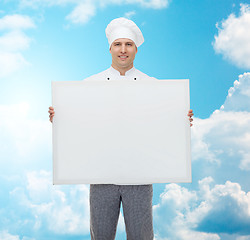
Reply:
x=123, y=51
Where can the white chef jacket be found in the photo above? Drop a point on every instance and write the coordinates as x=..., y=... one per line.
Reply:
x=113, y=74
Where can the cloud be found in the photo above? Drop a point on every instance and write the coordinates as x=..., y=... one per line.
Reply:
x=226, y=133
x=172, y=215
x=12, y=42
x=15, y=22
x=82, y=13
x=22, y=135
x=11, y=62
x=203, y=214
x=225, y=210
x=239, y=95
x=4, y=235
x=223, y=136
x=43, y=208
x=243, y=238
x=233, y=39
x=129, y=14
x=38, y=209
x=84, y=10
x=156, y=4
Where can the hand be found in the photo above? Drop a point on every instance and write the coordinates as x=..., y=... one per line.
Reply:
x=190, y=114
x=51, y=113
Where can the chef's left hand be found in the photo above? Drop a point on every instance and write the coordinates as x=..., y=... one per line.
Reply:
x=190, y=114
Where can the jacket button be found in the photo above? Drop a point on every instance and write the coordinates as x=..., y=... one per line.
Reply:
x=108, y=78
x=134, y=78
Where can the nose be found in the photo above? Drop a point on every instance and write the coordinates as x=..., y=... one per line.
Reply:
x=123, y=48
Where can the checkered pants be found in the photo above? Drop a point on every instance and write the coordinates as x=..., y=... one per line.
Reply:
x=105, y=202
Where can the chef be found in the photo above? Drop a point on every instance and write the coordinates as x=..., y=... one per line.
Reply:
x=124, y=37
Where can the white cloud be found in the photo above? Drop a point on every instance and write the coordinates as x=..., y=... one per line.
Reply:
x=181, y=196
x=11, y=62
x=156, y=4
x=226, y=203
x=12, y=41
x=11, y=44
x=222, y=135
x=36, y=4
x=82, y=13
x=172, y=215
x=84, y=10
x=36, y=207
x=233, y=39
x=202, y=214
x=243, y=238
x=239, y=95
x=4, y=235
x=129, y=14
x=245, y=161
x=226, y=133
x=15, y=22
x=58, y=209
x=24, y=134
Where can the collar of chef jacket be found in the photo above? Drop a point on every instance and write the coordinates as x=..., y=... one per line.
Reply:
x=113, y=74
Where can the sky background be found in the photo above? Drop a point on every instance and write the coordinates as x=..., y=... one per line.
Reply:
x=205, y=41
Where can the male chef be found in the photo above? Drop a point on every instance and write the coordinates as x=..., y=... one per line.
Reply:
x=124, y=37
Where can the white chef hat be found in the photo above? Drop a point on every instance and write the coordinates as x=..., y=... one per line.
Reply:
x=124, y=28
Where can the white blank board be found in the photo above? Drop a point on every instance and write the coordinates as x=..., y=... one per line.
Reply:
x=121, y=132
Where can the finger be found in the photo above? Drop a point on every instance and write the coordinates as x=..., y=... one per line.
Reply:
x=191, y=124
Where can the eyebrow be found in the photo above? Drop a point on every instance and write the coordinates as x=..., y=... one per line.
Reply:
x=125, y=42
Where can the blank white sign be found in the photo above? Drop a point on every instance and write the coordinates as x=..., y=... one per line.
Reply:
x=121, y=132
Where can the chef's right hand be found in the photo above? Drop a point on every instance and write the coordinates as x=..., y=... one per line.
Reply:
x=51, y=113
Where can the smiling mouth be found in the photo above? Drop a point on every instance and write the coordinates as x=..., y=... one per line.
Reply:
x=123, y=57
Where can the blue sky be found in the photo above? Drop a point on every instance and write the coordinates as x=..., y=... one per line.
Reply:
x=62, y=40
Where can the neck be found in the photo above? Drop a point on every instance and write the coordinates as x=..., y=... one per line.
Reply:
x=122, y=70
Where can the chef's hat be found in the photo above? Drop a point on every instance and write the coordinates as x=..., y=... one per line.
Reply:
x=124, y=28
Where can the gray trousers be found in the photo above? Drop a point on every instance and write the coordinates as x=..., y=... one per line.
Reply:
x=105, y=202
